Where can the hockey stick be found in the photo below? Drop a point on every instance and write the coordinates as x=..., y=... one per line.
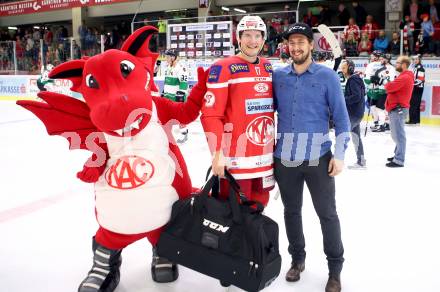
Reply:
x=368, y=118
x=331, y=40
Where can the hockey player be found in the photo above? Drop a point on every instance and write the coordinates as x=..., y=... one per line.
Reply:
x=372, y=86
x=175, y=85
x=382, y=76
x=44, y=77
x=238, y=114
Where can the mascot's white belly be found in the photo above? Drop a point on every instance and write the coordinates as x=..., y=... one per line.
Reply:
x=135, y=194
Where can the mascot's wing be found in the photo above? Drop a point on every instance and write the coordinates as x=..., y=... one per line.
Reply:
x=331, y=39
x=65, y=116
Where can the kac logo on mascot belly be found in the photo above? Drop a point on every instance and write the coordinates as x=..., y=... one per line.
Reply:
x=129, y=172
x=261, y=131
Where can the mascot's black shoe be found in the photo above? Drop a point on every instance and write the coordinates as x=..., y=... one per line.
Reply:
x=162, y=270
x=104, y=275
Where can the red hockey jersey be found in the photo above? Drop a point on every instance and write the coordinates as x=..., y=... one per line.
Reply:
x=238, y=115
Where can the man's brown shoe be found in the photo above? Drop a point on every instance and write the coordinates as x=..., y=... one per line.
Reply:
x=333, y=285
x=293, y=274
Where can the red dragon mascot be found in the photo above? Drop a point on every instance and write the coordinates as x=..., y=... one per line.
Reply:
x=137, y=169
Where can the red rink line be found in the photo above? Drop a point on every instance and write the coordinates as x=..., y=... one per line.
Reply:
x=35, y=206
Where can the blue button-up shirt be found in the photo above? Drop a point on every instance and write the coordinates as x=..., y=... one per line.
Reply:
x=304, y=103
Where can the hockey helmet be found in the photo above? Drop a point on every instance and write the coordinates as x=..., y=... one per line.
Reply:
x=171, y=53
x=251, y=22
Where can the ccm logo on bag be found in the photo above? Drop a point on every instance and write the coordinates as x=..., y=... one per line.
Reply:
x=215, y=226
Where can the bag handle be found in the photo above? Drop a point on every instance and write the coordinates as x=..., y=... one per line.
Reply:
x=216, y=186
x=232, y=198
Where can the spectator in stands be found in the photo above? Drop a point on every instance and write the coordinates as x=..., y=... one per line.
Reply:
x=291, y=17
x=282, y=47
x=394, y=46
x=352, y=28
x=360, y=13
x=64, y=33
x=90, y=42
x=36, y=35
x=82, y=32
x=48, y=37
x=285, y=25
x=325, y=15
x=310, y=19
x=433, y=10
x=407, y=26
x=428, y=32
x=414, y=10
x=350, y=46
x=381, y=42
x=371, y=27
x=276, y=23
x=124, y=28
x=61, y=53
x=365, y=46
x=436, y=39
x=76, y=50
x=272, y=39
x=343, y=14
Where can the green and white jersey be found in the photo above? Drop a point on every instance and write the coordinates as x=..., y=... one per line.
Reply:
x=176, y=79
x=372, y=88
x=343, y=81
x=44, y=77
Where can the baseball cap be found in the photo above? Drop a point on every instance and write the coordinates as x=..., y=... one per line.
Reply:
x=299, y=28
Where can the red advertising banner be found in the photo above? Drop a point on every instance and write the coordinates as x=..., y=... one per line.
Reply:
x=33, y=6
x=435, y=110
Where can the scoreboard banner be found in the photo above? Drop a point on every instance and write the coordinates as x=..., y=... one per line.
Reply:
x=201, y=40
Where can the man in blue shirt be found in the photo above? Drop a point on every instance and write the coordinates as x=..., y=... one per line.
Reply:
x=305, y=95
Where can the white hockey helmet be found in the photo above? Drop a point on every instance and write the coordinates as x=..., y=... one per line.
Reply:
x=251, y=22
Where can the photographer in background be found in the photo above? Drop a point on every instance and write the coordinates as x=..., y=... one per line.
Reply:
x=354, y=93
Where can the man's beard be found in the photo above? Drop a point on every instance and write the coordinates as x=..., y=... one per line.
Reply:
x=302, y=60
x=399, y=69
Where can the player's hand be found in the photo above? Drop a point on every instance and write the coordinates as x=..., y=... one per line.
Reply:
x=218, y=164
x=202, y=78
x=335, y=167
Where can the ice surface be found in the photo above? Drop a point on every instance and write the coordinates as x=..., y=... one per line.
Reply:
x=389, y=217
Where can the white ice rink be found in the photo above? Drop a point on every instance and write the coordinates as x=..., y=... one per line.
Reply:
x=389, y=217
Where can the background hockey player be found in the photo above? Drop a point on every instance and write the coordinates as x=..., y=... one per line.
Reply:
x=382, y=76
x=372, y=82
x=175, y=85
x=44, y=77
x=238, y=117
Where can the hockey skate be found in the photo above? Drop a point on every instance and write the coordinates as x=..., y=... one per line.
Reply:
x=379, y=129
x=104, y=275
x=162, y=270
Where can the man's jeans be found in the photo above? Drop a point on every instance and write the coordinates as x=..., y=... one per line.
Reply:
x=397, y=127
x=291, y=179
x=357, y=141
